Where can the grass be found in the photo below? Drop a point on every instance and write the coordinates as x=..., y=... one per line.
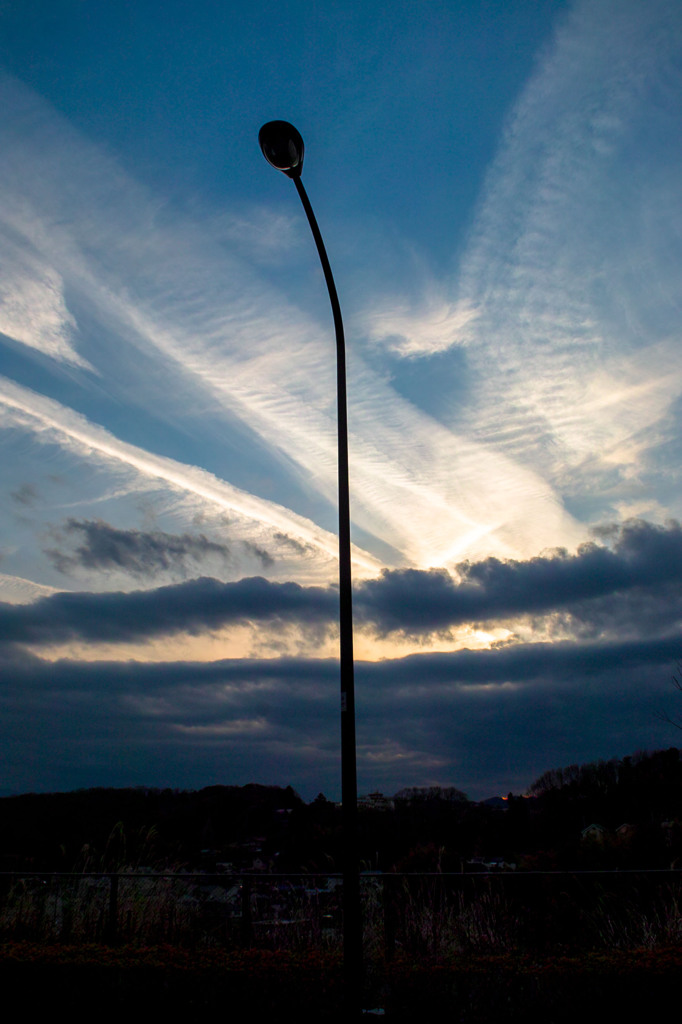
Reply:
x=461, y=949
x=415, y=916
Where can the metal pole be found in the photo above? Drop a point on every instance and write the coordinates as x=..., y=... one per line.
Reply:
x=283, y=148
x=352, y=919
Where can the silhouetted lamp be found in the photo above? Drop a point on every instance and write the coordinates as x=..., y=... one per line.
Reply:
x=283, y=148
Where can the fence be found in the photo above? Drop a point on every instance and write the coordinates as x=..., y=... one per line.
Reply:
x=414, y=914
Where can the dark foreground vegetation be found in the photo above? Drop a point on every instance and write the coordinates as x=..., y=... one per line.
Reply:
x=145, y=983
x=561, y=903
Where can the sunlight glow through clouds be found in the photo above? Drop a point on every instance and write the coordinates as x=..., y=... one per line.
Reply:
x=16, y=590
x=237, y=727
x=260, y=641
x=389, y=752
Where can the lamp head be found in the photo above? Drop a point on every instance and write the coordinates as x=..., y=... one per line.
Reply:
x=282, y=147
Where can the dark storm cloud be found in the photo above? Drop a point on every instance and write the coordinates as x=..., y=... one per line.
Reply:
x=517, y=664
x=642, y=556
x=193, y=607
x=136, y=552
x=632, y=588
x=641, y=611
x=485, y=721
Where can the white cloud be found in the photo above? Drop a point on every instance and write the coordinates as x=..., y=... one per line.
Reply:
x=408, y=332
x=51, y=423
x=162, y=285
x=32, y=306
x=16, y=590
x=573, y=265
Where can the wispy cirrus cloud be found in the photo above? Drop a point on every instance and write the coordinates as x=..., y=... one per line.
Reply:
x=575, y=354
x=564, y=308
x=33, y=310
x=167, y=289
x=412, y=333
x=51, y=423
x=16, y=590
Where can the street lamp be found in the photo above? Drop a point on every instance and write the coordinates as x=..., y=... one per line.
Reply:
x=283, y=148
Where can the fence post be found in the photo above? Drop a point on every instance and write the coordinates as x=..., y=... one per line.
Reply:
x=112, y=923
x=247, y=931
x=388, y=885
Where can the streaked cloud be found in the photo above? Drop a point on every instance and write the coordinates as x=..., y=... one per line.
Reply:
x=238, y=346
x=32, y=306
x=140, y=553
x=413, y=333
x=49, y=422
x=575, y=350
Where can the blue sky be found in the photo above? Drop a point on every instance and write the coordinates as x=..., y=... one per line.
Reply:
x=498, y=187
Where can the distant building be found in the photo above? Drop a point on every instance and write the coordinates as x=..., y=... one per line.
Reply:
x=595, y=833
x=376, y=802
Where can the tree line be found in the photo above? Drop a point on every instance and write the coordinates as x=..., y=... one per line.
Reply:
x=620, y=813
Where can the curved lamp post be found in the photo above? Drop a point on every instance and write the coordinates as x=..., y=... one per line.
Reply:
x=283, y=148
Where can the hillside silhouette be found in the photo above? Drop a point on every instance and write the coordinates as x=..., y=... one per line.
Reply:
x=620, y=813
